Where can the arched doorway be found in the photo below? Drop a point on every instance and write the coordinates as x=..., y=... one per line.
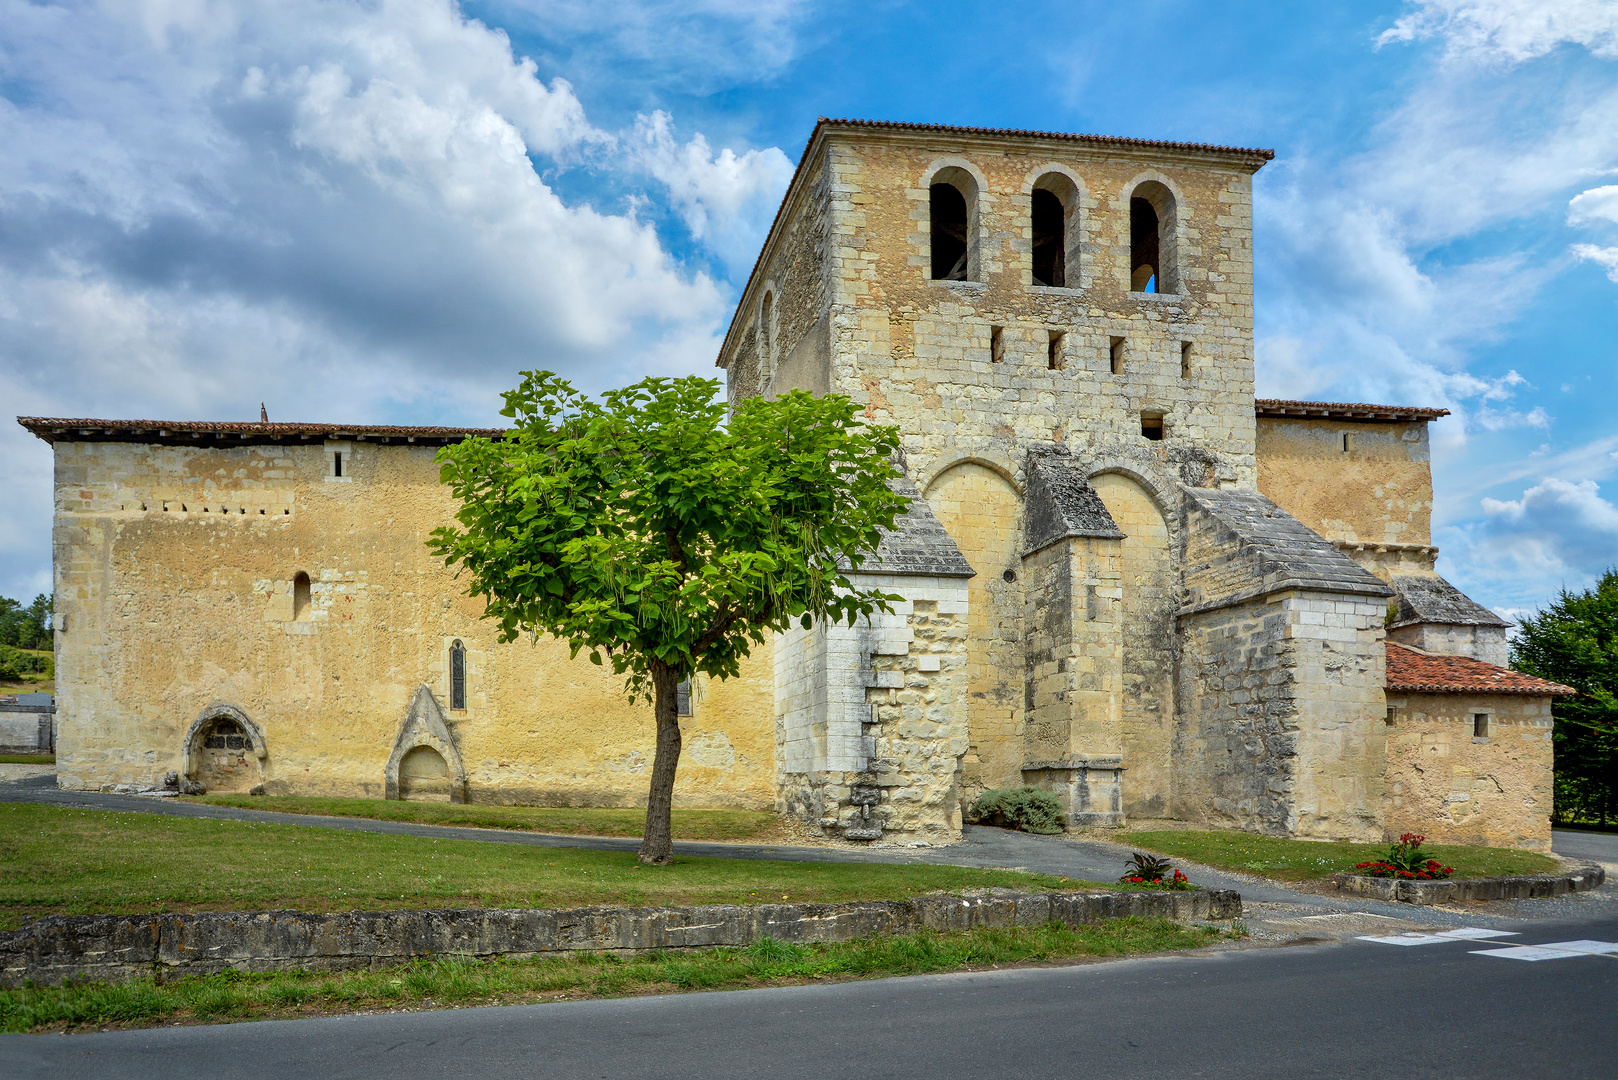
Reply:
x=1147, y=709
x=223, y=751
x=424, y=775
x=982, y=513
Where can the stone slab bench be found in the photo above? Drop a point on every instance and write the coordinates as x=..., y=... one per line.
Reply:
x=117, y=947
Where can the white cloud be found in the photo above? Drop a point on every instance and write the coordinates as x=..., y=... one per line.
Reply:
x=1601, y=256
x=726, y=199
x=1596, y=205
x=1510, y=31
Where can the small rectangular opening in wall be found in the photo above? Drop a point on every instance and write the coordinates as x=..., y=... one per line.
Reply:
x=1057, y=358
x=337, y=463
x=1151, y=427
x=1481, y=726
x=1393, y=715
x=997, y=344
x=1185, y=359
x=1117, y=356
x=1348, y=442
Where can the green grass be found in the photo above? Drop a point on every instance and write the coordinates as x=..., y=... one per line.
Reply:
x=1307, y=860
x=755, y=825
x=27, y=759
x=71, y=861
x=462, y=981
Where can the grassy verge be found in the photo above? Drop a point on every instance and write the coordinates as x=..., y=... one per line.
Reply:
x=461, y=982
x=755, y=825
x=1306, y=860
x=27, y=759
x=71, y=861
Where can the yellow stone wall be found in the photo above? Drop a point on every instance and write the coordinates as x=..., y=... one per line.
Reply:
x=1150, y=591
x=175, y=570
x=1372, y=494
x=1456, y=788
x=982, y=513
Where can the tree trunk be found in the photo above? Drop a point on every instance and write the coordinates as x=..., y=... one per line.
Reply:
x=657, y=845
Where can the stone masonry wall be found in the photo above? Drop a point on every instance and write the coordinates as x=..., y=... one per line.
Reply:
x=1454, y=787
x=885, y=759
x=1277, y=731
x=174, y=595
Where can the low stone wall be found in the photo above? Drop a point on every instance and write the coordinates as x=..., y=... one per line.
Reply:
x=1514, y=887
x=27, y=729
x=117, y=947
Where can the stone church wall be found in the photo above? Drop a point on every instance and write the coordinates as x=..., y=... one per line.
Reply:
x=175, y=596
x=871, y=722
x=1455, y=787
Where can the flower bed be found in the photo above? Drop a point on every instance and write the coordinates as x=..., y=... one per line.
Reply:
x=1406, y=860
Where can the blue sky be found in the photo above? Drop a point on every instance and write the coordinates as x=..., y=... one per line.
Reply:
x=381, y=211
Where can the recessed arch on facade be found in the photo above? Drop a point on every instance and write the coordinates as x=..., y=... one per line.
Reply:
x=1154, y=229
x=1056, y=217
x=988, y=461
x=410, y=772
x=224, y=750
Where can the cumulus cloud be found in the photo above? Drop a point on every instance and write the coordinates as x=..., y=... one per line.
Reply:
x=1599, y=204
x=343, y=208
x=1601, y=256
x=1510, y=31
x=726, y=199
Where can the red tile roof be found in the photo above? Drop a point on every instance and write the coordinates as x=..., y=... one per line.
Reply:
x=1416, y=672
x=1334, y=410
x=1065, y=136
x=213, y=433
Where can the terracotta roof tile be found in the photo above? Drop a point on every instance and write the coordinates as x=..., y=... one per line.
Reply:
x=1416, y=672
x=1344, y=410
x=210, y=432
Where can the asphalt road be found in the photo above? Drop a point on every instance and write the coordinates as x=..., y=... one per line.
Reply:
x=1344, y=1009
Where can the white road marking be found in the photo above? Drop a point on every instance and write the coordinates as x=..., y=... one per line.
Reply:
x=1464, y=933
x=1553, y=950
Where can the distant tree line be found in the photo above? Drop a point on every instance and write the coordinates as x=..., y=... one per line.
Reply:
x=1575, y=641
x=25, y=627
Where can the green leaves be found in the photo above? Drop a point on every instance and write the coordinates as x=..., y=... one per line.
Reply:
x=1575, y=641
x=647, y=525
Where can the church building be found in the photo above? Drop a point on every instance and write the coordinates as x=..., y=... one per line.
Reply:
x=1126, y=580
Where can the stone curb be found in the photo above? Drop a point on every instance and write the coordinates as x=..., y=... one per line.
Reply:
x=1513, y=887
x=116, y=947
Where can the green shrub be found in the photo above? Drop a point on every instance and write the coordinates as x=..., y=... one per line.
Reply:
x=1025, y=808
x=15, y=664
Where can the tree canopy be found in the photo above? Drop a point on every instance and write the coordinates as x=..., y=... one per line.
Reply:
x=1575, y=641
x=650, y=532
x=25, y=627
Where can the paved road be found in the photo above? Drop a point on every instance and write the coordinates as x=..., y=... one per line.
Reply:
x=1350, y=1008
x=1088, y=860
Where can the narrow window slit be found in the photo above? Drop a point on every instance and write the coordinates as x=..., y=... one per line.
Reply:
x=997, y=344
x=1117, y=356
x=1185, y=359
x=1056, y=351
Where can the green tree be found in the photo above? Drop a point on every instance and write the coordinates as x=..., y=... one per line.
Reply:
x=647, y=529
x=1575, y=641
x=25, y=627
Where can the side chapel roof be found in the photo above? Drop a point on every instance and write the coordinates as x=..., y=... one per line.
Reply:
x=1416, y=672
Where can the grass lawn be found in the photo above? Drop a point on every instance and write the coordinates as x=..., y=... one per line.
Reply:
x=461, y=982
x=1307, y=860
x=755, y=825
x=27, y=759
x=60, y=860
